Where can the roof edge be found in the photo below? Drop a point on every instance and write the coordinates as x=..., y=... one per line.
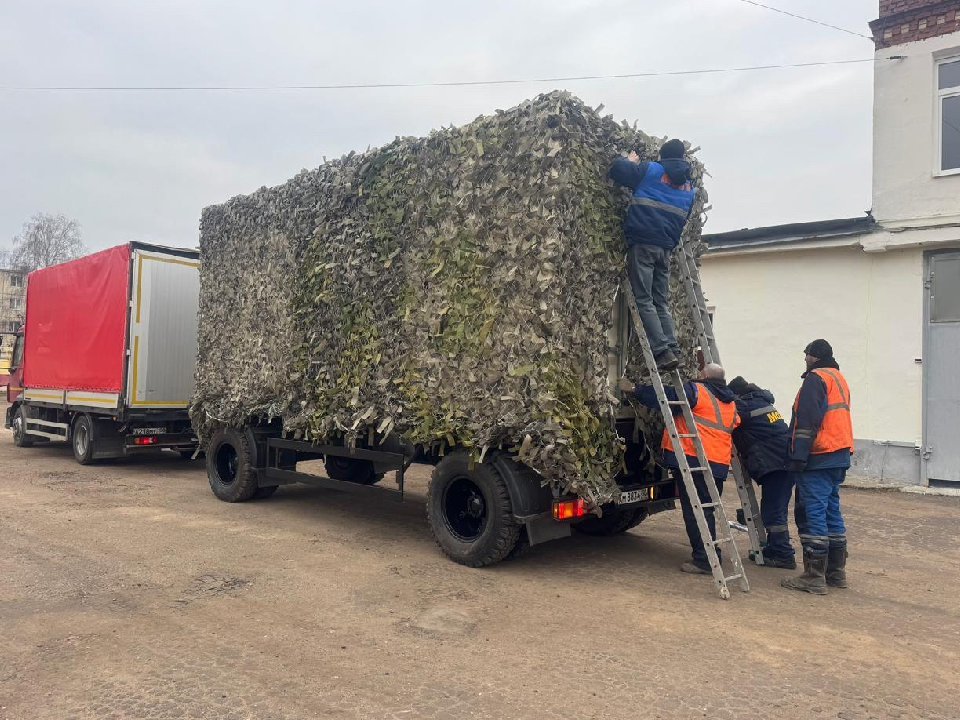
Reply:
x=790, y=233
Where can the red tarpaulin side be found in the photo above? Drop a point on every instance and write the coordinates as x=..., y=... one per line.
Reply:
x=76, y=323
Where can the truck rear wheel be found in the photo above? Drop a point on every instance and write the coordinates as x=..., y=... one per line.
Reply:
x=19, y=424
x=351, y=470
x=614, y=521
x=82, y=439
x=233, y=478
x=469, y=511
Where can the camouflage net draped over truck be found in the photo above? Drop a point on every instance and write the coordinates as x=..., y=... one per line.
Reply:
x=455, y=288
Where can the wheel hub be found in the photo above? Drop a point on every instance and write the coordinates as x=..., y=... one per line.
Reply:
x=227, y=464
x=80, y=440
x=465, y=510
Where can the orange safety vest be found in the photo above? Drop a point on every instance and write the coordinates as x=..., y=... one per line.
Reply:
x=715, y=422
x=836, y=428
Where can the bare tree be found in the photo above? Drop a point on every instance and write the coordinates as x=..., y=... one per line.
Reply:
x=46, y=240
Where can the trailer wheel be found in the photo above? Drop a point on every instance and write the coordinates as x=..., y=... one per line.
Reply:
x=20, y=437
x=639, y=516
x=613, y=522
x=350, y=470
x=230, y=469
x=469, y=511
x=82, y=439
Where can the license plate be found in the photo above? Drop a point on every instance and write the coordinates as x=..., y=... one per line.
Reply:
x=632, y=496
x=149, y=431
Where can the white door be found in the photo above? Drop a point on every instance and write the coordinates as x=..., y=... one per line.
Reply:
x=941, y=358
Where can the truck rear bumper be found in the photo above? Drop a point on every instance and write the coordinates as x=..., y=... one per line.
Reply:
x=135, y=443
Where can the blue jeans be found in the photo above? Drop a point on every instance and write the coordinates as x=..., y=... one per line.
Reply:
x=774, y=503
x=648, y=267
x=690, y=521
x=818, y=510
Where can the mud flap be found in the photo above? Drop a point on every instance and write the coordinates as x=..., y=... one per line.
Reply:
x=545, y=529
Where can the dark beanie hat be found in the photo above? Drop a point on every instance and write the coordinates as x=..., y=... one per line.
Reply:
x=672, y=149
x=819, y=349
x=739, y=386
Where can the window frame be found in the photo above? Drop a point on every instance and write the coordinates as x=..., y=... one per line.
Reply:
x=16, y=357
x=939, y=96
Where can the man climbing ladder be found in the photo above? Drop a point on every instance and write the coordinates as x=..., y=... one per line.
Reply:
x=662, y=199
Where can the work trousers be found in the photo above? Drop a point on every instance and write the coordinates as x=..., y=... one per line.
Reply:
x=774, y=504
x=818, y=515
x=690, y=522
x=648, y=267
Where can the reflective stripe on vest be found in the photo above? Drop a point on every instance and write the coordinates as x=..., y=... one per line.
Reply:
x=836, y=428
x=666, y=207
x=715, y=424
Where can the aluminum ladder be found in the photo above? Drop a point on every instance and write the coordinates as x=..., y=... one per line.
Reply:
x=724, y=535
x=690, y=274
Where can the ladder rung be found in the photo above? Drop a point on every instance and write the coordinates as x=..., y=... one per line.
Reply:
x=686, y=435
x=733, y=577
x=677, y=402
x=698, y=469
x=709, y=504
x=722, y=540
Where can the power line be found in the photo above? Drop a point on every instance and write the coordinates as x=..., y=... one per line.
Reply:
x=454, y=83
x=806, y=19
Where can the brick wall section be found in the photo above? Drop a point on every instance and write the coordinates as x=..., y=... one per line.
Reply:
x=905, y=21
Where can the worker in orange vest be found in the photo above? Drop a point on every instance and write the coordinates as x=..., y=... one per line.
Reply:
x=715, y=414
x=821, y=442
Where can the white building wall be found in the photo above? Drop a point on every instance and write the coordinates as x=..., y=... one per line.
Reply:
x=906, y=190
x=869, y=306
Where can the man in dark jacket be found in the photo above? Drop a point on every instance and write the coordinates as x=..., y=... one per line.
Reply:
x=763, y=441
x=715, y=414
x=661, y=203
x=821, y=442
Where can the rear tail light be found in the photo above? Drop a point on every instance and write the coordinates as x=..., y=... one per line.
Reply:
x=567, y=509
x=145, y=440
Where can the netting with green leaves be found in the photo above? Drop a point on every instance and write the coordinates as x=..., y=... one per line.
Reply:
x=455, y=288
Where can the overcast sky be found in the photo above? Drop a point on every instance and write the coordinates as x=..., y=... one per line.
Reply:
x=781, y=145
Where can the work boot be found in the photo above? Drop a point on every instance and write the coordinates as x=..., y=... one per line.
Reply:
x=836, y=567
x=785, y=563
x=667, y=361
x=694, y=569
x=813, y=580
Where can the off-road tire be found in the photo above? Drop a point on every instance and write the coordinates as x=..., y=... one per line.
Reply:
x=522, y=547
x=613, y=522
x=230, y=469
x=360, y=472
x=21, y=439
x=498, y=531
x=639, y=516
x=82, y=439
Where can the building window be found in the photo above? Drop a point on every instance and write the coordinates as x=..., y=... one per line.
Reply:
x=16, y=280
x=948, y=99
x=15, y=303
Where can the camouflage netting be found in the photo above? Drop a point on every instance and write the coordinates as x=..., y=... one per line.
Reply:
x=455, y=288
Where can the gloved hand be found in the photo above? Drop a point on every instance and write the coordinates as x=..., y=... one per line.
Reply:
x=625, y=386
x=797, y=466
